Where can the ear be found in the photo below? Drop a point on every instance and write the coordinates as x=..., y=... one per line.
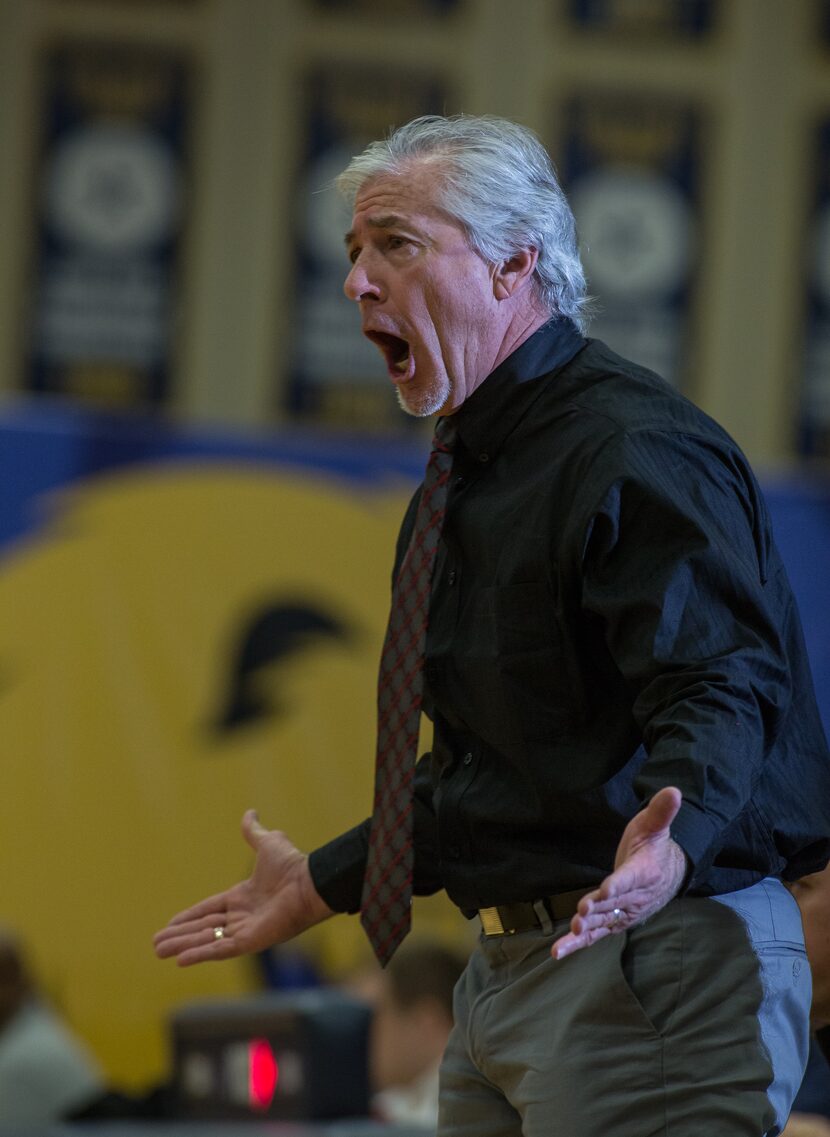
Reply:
x=515, y=273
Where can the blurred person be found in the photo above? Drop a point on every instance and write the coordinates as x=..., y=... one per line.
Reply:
x=813, y=1095
x=813, y=895
x=627, y=756
x=46, y=1073
x=411, y=1001
x=807, y=1125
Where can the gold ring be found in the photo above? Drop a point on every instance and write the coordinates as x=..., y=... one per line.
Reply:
x=218, y=933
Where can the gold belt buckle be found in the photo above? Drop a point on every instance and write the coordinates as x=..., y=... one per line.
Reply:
x=491, y=922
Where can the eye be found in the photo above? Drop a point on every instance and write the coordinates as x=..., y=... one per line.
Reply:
x=395, y=242
x=353, y=254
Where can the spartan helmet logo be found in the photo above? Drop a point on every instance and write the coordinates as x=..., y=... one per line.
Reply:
x=274, y=634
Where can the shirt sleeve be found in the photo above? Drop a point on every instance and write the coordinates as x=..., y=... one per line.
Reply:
x=337, y=868
x=676, y=562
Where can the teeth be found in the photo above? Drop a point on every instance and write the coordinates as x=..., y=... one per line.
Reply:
x=403, y=364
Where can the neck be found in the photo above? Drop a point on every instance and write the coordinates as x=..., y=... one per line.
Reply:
x=518, y=331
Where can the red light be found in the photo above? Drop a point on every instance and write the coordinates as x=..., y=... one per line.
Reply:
x=263, y=1073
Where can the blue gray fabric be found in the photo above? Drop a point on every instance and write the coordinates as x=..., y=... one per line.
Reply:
x=773, y=925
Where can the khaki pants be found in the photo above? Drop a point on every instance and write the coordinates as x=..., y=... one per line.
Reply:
x=692, y=1025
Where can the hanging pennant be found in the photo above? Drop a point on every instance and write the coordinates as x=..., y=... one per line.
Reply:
x=631, y=167
x=110, y=202
x=814, y=433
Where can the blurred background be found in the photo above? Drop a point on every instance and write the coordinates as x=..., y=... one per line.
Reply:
x=202, y=466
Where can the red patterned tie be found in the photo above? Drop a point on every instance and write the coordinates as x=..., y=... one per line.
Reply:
x=385, y=907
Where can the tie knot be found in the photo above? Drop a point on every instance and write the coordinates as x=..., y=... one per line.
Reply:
x=445, y=434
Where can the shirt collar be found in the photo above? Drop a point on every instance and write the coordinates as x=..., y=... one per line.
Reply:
x=492, y=411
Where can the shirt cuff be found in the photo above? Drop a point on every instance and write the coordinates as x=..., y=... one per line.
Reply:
x=337, y=868
x=694, y=832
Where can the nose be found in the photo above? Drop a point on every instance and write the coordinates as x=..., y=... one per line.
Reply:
x=358, y=285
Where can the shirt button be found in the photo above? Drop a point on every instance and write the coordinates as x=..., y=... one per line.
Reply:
x=454, y=852
x=451, y=577
x=467, y=759
x=460, y=480
x=484, y=457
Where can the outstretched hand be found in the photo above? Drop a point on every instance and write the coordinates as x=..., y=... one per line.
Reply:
x=276, y=903
x=648, y=871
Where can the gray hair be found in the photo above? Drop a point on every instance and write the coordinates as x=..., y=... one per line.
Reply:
x=498, y=182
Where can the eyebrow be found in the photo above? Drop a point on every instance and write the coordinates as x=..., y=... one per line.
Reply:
x=385, y=221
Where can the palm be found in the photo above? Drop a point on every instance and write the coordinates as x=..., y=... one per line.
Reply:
x=648, y=871
x=274, y=904
x=267, y=908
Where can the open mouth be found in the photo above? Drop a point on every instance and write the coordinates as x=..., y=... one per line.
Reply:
x=395, y=351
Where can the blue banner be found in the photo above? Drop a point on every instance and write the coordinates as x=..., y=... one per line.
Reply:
x=814, y=434
x=632, y=168
x=688, y=19
x=386, y=8
x=111, y=192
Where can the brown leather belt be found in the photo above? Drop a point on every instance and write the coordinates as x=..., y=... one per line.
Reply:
x=507, y=919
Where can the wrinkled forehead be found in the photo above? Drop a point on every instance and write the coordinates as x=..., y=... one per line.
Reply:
x=417, y=190
x=391, y=192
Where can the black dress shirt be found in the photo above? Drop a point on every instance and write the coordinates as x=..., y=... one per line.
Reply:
x=609, y=616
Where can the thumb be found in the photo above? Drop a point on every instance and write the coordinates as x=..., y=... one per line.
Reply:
x=661, y=811
x=252, y=831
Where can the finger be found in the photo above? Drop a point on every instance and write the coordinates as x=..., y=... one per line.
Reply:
x=662, y=809
x=616, y=891
x=568, y=944
x=587, y=902
x=614, y=917
x=198, y=935
x=252, y=831
x=189, y=928
x=211, y=904
x=210, y=950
